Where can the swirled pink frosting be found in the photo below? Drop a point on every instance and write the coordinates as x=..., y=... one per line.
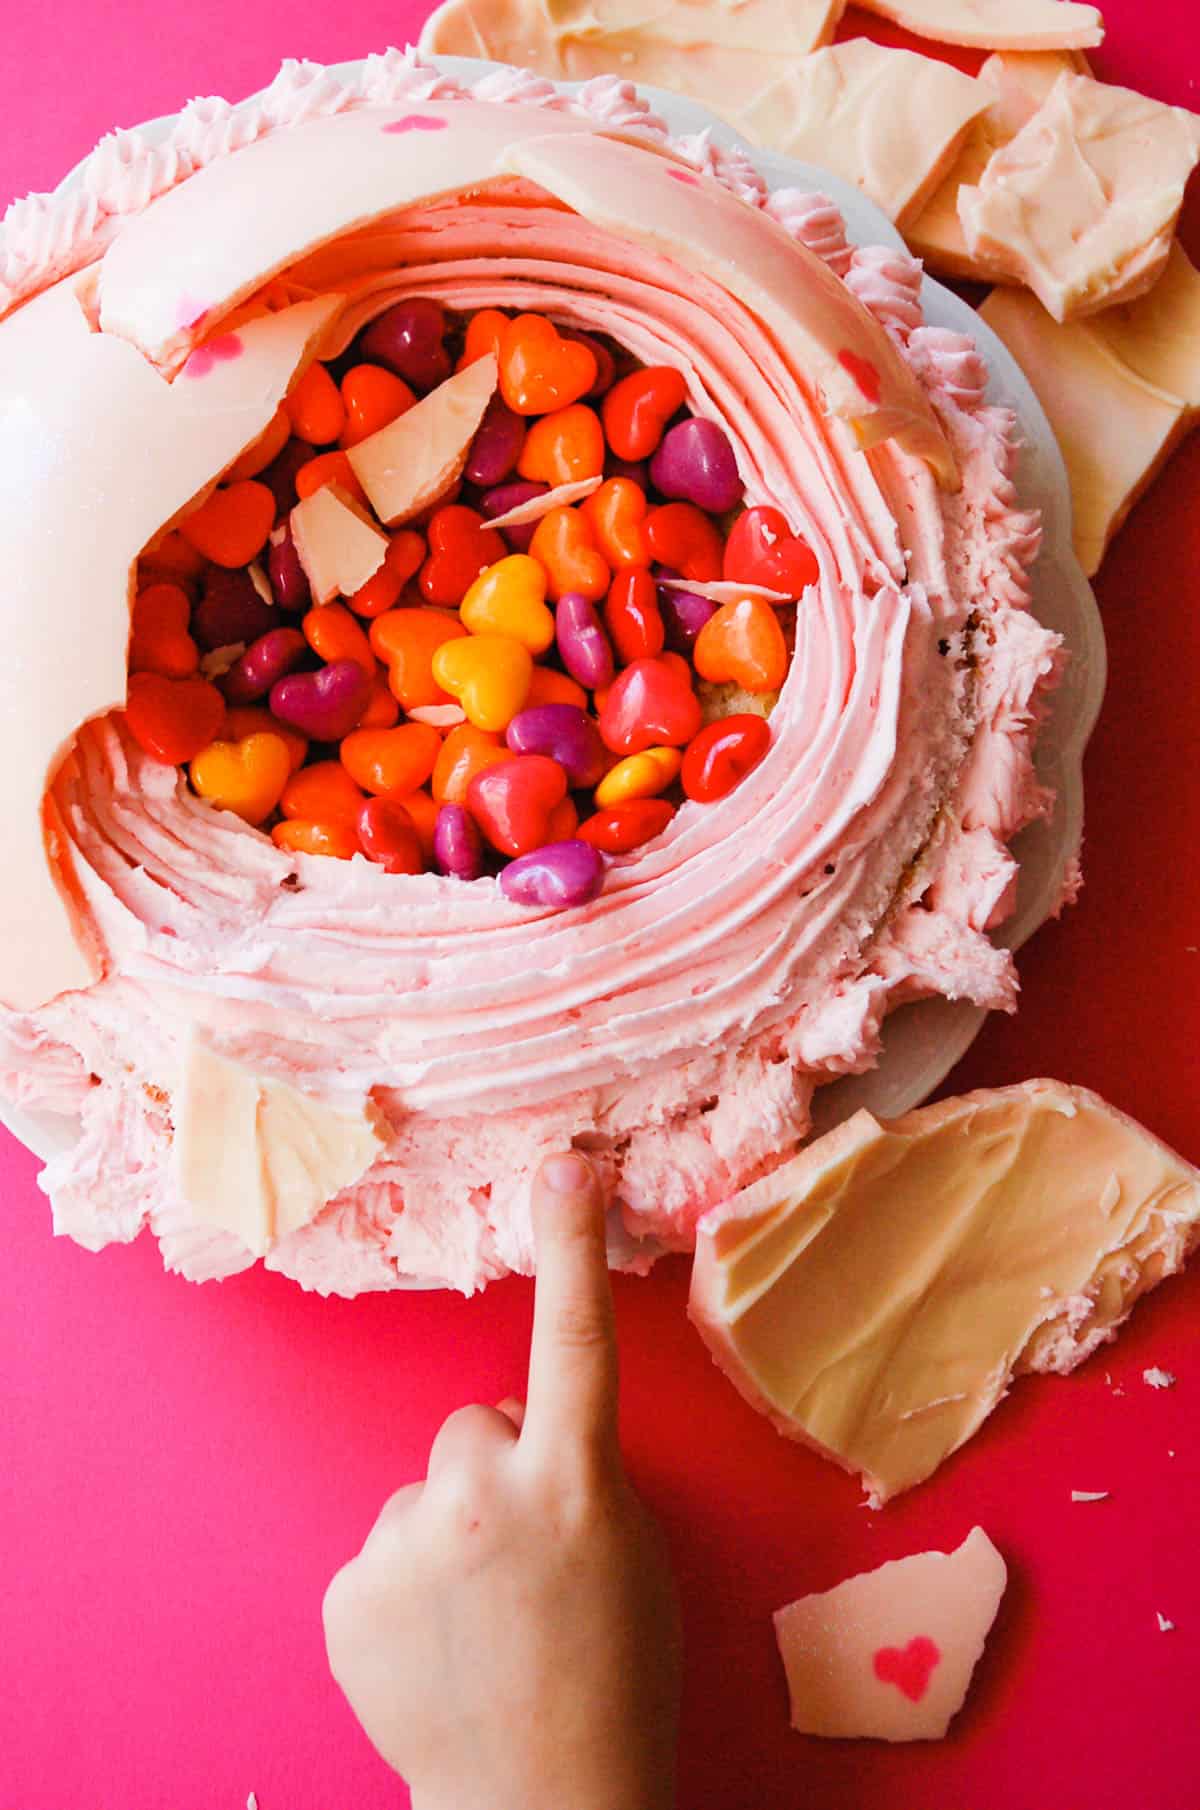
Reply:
x=678, y=1026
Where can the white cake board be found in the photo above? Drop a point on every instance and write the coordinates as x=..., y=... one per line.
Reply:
x=921, y=1042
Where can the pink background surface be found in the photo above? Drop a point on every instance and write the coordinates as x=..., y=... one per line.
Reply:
x=183, y=1468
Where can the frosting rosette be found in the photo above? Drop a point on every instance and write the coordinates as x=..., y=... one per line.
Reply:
x=369, y=1066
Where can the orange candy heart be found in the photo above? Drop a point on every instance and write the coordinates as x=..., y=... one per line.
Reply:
x=465, y=752
x=382, y=711
x=172, y=558
x=242, y=720
x=373, y=399
x=159, y=641
x=322, y=793
x=406, y=641
x=562, y=542
x=391, y=760
x=315, y=407
x=245, y=777
x=172, y=719
x=539, y=370
x=265, y=450
x=549, y=686
x=299, y=837
x=329, y=468
x=564, y=447
x=333, y=634
x=424, y=812
x=382, y=591
x=231, y=528
x=616, y=512
x=743, y=644
x=485, y=331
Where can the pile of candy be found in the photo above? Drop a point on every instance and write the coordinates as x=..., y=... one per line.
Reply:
x=518, y=698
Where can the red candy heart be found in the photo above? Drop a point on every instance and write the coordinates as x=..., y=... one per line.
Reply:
x=461, y=546
x=514, y=801
x=681, y=536
x=909, y=1668
x=637, y=409
x=632, y=616
x=160, y=641
x=172, y=719
x=650, y=704
x=762, y=549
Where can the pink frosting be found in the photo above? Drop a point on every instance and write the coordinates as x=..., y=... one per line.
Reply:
x=678, y=1026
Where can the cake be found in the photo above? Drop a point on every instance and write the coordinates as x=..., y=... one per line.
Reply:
x=352, y=1073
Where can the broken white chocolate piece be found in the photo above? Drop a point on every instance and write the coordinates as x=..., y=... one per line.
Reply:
x=339, y=547
x=258, y=1158
x=876, y=1294
x=995, y=24
x=538, y=506
x=1081, y=205
x=889, y=121
x=413, y=461
x=1022, y=79
x=1158, y=336
x=1089, y=1495
x=889, y=1654
x=1114, y=429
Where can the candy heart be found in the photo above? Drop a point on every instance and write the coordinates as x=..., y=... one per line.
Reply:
x=391, y=760
x=230, y=611
x=563, y=543
x=383, y=710
x=632, y=616
x=910, y=1667
x=642, y=775
x=289, y=581
x=231, y=526
x=762, y=549
x=457, y=844
x=485, y=331
x=637, y=409
x=159, y=640
x=541, y=371
x=333, y=635
x=300, y=836
x=684, y=613
x=465, y=752
x=324, y=705
x=681, y=536
x=564, y=447
x=461, y=546
x=508, y=599
x=561, y=875
x=743, y=644
x=583, y=645
x=488, y=674
x=242, y=720
x=650, y=702
x=722, y=754
x=565, y=733
x=389, y=837
x=266, y=660
x=406, y=641
x=696, y=462
x=373, y=398
x=513, y=801
x=624, y=827
x=616, y=512
x=246, y=777
x=409, y=339
x=382, y=591
x=172, y=719
x=316, y=408
x=322, y=793
x=497, y=445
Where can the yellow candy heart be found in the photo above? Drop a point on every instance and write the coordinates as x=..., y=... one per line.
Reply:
x=642, y=775
x=509, y=599
x=246, y=777
x=490, y=675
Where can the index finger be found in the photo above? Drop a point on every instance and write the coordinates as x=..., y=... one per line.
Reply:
x=573, y=1363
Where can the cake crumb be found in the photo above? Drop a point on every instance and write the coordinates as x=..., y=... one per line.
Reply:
x=1158, y=1379
x=1089, y=1495
x=1164, y=1625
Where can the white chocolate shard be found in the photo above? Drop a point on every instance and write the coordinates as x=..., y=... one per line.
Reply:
x=875, y=1296
x=889, y=121
x=996, y=24
x=1157, y=336
x=1022, y=79
x=339, y=547
x=409, y=464
x=713, y=52
x=1081, y=205
x=1114, y=429
x=558, y=497
x=258, y=1158
x=889, y=1654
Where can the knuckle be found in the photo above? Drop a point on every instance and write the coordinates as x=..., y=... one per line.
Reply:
x=581, y=1326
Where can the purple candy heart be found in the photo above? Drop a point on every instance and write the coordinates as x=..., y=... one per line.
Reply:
x=324, y=705
x=496, y=446
x=561, y=876
x=584, y=647
x=271, y=657
x=695, y=464
x=566, y=734
x=410, y=340
x=636, y=470
x=280, y=475
x=683, y=612
x=510, y=496
x=289, y=582
x=457, y=844
x=230, y=610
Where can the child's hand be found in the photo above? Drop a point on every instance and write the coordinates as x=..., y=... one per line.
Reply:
x=508, y=1635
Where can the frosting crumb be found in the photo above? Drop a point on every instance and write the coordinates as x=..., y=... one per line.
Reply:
x=1089, y=1495
x=1164, y=1625
x=1158, y=1379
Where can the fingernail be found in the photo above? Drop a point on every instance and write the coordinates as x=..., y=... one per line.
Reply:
x=569, y=1174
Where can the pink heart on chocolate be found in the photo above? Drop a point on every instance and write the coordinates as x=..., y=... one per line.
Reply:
x=909, y=1668
x=417, y=122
